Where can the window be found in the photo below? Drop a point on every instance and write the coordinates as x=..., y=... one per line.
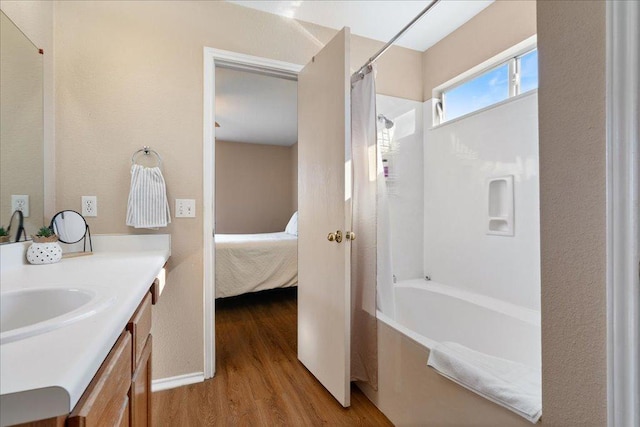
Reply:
x=517, y=75
x=528, y=71
x=482, y=91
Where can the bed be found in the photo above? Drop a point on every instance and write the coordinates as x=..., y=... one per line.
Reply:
x=255, y=262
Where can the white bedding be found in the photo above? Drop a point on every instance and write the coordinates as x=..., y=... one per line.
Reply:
x=255, y=262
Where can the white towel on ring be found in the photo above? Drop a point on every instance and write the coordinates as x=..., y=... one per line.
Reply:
x=148, y=206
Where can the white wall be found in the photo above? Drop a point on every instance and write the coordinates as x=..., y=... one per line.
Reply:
x=406, y=205
x=459, y=157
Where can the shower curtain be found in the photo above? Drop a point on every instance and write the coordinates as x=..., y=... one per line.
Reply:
x=364, y=339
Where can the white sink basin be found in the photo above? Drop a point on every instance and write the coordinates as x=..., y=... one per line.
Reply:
x=28, y=312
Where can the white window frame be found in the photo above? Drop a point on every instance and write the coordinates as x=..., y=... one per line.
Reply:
x=510, y=56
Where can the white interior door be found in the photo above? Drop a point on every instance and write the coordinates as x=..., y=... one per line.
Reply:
x=324, y=206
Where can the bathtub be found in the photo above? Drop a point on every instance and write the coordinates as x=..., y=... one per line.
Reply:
x=426, y=313
x=429, y=312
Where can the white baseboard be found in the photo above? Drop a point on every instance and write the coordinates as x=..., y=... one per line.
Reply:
x=177, y=381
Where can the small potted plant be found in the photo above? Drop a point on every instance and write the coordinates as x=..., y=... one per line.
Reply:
x=45, y=248
x=4, y=235
x=45, y=235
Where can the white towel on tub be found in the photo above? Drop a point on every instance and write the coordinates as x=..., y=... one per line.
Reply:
x=512, y=385
x=148, y=206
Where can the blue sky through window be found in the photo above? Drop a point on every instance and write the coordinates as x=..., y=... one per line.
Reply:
x=491, y=87
x=480, y=92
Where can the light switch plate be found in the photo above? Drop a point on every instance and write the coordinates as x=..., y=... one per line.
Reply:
x=185, y=208
x=20, y=203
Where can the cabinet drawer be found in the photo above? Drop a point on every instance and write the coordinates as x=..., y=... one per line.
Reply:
x=140, y=327
x=106, y=398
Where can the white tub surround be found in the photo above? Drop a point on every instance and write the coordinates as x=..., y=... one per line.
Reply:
x=479, y=231
x=405, y=183
x=480, y=238
x=400, y=196
x=45, y=375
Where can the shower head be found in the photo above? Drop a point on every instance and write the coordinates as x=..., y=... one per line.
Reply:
x=388, y=124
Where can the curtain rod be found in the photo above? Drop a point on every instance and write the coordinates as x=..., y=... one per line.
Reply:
x=378, y=54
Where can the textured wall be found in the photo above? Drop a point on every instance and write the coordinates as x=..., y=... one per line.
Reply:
x=497, y=28
x=253, y=187
x=129, y=74
x=571, y=43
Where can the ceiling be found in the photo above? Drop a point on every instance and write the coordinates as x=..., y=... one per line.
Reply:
x=259, y=109
x=379, y=20
x=255, y=108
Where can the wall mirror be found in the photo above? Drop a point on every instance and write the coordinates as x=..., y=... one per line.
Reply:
x=21, y=128
x=71, y=227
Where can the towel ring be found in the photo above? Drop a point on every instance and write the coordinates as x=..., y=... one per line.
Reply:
x=147, y=151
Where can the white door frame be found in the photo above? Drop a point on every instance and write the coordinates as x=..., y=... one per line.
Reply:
x=623, y=229
x=242, y=61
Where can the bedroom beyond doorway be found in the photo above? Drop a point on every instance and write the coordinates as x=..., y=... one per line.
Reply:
x=256, y=179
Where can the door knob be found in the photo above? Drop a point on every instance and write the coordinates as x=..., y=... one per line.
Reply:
x=350, y=235
x=335, y=237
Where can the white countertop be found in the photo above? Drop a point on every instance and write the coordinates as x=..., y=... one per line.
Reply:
x=43, y=376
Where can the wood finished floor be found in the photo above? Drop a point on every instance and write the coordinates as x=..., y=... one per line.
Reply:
x=259, y=380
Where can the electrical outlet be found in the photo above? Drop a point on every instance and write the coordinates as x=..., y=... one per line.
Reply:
x=20, y=203
x=185, y=208
x=89, y=206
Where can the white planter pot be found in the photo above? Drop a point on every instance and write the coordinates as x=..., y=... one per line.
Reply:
x=44, y=253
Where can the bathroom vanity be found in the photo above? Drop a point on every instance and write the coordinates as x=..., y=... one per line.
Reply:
x=120, y=393
x=76, y=345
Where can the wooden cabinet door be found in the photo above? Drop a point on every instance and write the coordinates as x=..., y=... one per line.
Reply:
x=140, y=328
x=125, y=414
x=141, y=389
x=105, y=401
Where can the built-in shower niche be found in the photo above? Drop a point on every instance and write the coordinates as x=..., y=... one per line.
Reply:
x=500, y=206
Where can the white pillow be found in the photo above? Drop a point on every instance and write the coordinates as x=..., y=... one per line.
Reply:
x=292, y=225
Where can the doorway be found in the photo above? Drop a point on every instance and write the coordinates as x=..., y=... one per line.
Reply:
x=243, y=74
x=324, y=203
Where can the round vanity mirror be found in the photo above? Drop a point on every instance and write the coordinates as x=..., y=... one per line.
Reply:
x=69, y=226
